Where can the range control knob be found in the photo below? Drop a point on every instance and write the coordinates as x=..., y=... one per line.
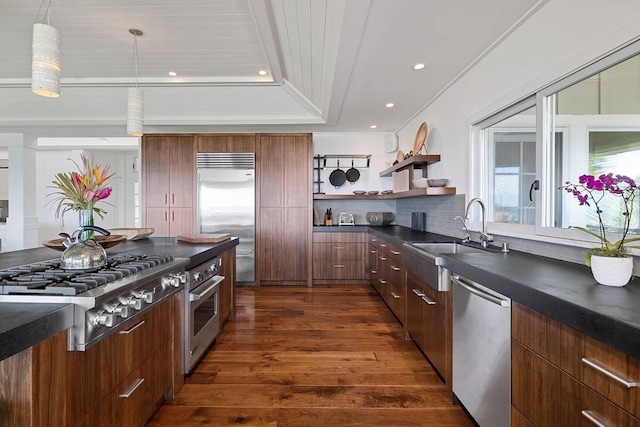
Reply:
x=198, y=276
x=104, y=318
x=173, y=280
x=146, y=296
x=121, y=310
x=135, y=303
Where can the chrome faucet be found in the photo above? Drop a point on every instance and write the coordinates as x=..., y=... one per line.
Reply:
x=467, y=236
x=485, y=238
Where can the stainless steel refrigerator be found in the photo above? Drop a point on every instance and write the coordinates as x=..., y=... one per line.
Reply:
x=226, y=204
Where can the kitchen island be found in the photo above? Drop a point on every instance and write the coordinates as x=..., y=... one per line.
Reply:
x=24, y=325
x=127, y=374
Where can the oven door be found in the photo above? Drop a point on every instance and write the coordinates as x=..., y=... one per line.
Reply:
x=203, y=320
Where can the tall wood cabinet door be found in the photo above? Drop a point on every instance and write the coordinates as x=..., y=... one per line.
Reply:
x=270, y=171
x=294, y=254
x=182, y=172
x=298, y=159
x=270, y=240
x=155, y=168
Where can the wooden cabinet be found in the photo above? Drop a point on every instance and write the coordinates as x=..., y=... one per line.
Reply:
x=284, y=221
x=228, y=285
x=429, y=323
x=389, y=279
x=168, y=183
x=554, y=381
x=121, y=380
x=231, y=143
x=339, y=258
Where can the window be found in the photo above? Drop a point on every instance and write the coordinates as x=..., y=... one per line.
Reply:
x=588, y=122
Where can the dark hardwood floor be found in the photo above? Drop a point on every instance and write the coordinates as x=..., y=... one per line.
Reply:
x=321, y=356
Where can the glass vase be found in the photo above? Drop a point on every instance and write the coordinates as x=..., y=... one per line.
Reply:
x=85, y=217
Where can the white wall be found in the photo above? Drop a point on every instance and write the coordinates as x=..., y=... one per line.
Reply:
x=354, y=143
x=559, y=38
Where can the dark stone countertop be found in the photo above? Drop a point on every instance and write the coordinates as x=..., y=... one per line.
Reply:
x=24, y=325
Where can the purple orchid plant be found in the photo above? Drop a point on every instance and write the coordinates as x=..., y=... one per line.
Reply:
x=592, y=190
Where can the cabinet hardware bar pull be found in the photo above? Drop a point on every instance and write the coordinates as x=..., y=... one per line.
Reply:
x=383, y=245
x=173, y=198
x=382, y=258
x=166, y=198
x=395, y=295
x=479, y=292
x=338, y=266
x=173, y=216
x=373, y=271
x=428, y=301
x=594, y=418
x=394, y=268
x=133, y=387
x=382, y=282
x=418, y=292
x=627, y=382
x=395, y=252
x=133, y=328
x=338, y=247
x=372, y=251
x=166, y=217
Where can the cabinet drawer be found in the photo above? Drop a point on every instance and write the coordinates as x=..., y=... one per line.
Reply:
x=397, y=302
x=339, y=237
x=339, y=251
x=548, y=397
x=606, y=370
x=351, y=270
x=372, y=263
x=394, y=272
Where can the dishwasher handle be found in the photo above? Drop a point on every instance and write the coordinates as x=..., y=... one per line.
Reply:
x=479, y=292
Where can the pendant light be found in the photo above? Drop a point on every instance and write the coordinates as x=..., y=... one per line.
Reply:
x=45, y=57
x=135, y=96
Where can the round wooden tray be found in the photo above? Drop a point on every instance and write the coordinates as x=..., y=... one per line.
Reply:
x=104, y=241
x=420, y=137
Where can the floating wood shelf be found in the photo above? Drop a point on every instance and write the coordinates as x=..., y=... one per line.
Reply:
x=413, y=161
x=416, y=192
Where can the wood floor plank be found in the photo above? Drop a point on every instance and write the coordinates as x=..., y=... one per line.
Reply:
x=319, y=356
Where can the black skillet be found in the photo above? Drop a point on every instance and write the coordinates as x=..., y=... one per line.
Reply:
x=337, y=177
x=352, y=174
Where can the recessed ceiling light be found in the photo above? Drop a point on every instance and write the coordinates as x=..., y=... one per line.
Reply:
x=389, y=104
x=373, y=126
x=262, y=72
x=172, y=73
x=419, y=66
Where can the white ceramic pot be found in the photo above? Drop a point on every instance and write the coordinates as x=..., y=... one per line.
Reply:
x=611, y=271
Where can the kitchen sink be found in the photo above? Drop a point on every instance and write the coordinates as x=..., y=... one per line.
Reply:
x=422, y=259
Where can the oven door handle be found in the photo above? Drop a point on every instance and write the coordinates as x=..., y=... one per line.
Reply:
x=194, y=296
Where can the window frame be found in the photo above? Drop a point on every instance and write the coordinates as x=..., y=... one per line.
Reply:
x=545, y=103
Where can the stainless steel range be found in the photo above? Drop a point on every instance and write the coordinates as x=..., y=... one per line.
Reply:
x=126, y=286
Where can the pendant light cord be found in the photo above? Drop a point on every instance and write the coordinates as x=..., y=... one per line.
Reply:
x=47, y=15
x=135, y=61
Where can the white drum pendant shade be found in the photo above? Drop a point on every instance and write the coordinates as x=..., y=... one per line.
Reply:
x=45, y=61
x=135, y=111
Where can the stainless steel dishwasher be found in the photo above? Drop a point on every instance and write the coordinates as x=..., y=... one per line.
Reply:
x=481, y=352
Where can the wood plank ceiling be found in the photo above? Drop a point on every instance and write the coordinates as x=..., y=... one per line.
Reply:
x=327, y=62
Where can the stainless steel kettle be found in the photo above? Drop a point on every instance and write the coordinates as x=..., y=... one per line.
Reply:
x=83, y=254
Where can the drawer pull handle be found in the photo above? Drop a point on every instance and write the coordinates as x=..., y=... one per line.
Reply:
x=395, y=295
x=394, y=268
x=373, y=271
x=133, y=328
x=395, y=252
x=137, y=383
x=418, y=292
x=338, y=247
x=594, y=418
x=428, y=301
x=338, y=266
x=629, y=383
x=382, y=258
x=372, y=251
x=383, y=245
x=382, y=282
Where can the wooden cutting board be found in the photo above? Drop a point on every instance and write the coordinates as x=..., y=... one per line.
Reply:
x=203, y=238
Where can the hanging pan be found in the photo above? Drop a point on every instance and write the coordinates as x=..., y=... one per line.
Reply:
x=352, y=174
x=338, y=177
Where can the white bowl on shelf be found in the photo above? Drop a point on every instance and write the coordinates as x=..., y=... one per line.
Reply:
x=420, y=183
x=437, y=182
